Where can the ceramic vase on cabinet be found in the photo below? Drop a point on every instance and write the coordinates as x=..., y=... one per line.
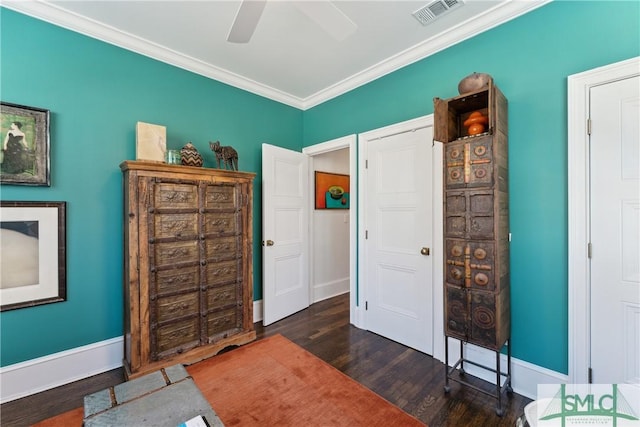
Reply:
x=190, y=156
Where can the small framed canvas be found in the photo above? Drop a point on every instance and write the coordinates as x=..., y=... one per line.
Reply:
x=24, y=134
x=332, y=191
x=151, y=142
x=32, y=254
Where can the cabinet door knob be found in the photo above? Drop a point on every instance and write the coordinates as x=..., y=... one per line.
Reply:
x=425, y=251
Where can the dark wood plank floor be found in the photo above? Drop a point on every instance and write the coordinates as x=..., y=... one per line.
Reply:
x=405, y=377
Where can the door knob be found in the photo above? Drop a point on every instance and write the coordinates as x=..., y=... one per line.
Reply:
x=269, y=242
x=425, y=251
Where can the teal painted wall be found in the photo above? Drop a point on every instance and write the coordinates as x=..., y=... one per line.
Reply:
x=530, y=59
x=96, y=93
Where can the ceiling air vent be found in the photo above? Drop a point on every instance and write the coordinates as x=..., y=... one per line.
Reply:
x=429, y=13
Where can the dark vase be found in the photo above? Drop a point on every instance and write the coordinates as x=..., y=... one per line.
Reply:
x=190, y=156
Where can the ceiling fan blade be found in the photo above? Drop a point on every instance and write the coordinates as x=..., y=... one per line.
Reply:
x=329, y=17
x=246, y=21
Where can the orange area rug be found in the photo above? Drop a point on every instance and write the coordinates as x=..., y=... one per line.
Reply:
x=274, y=382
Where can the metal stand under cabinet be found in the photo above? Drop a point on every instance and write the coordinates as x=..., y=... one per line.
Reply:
x=188, y=277
x=476, y=228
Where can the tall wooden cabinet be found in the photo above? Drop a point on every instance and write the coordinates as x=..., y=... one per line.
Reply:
x=188, y=278
x=476, y=221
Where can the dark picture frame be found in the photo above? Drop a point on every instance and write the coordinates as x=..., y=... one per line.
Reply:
x=24, y=145
x=331, y=190
x=33, y=253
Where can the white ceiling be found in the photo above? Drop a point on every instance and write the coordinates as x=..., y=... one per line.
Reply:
x=289, y=58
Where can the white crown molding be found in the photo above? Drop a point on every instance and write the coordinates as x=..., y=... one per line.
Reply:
x=53, y=14
x=500, y=14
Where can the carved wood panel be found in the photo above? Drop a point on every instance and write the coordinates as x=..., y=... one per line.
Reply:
x=175, y=195
x=475, y=316
x=221, y=323
x=470, y=264
x=456, y=312
x=469, y=163
x=188, y=283
x=476, y=218
x=222, y=196
x=221, y=223
x=182, y=335
x=469, y=214
x=194, y=224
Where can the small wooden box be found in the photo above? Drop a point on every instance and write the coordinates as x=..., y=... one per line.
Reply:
x=451, y=113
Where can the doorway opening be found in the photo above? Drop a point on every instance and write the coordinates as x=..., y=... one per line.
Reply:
x=334, y=156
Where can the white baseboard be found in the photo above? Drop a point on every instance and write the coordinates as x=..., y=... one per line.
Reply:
x=257, y=311
x=525, y=376
x=44, y=373
x=331, y=289
x=36, y=375
x=325, y=291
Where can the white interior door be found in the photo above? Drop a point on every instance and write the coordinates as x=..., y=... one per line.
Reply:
x=285, y=231
x=396, y=275
x=615, y=232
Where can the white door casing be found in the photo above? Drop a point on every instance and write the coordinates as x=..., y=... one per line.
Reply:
x=579, y=86
x=285, y=231
x=345, y=142
x=615, y=232
x=397, y=282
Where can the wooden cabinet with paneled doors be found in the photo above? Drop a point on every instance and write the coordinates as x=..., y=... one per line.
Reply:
x=188, y=277
x=476, y=219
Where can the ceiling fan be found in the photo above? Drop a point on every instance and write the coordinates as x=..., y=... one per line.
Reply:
x=322, y=12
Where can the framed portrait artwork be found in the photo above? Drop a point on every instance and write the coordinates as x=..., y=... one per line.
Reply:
x=32, y=253
x=24, y=135
x=332, y=191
